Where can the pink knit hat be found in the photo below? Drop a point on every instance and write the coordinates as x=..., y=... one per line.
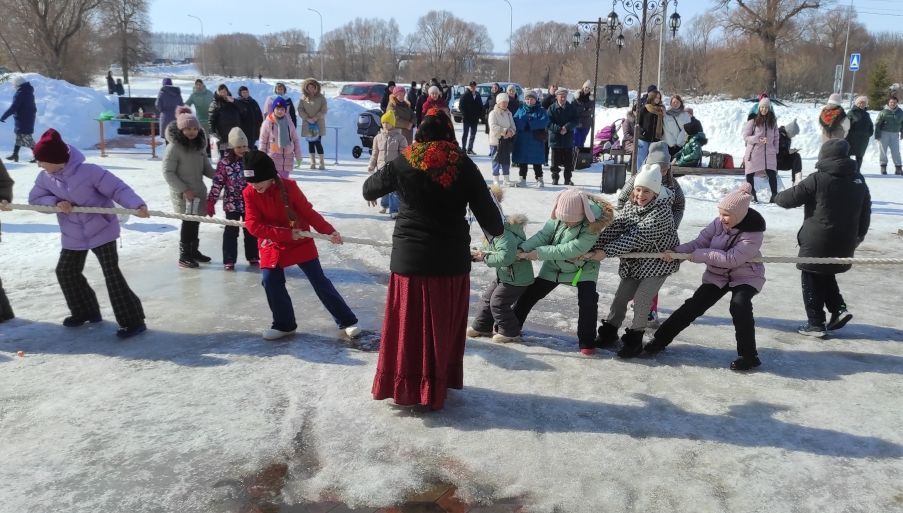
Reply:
x=571, y=206
x=737, y=202
x=399, y=92
x=185, y=119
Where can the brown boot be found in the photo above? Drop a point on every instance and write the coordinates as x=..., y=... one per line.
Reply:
x=322, y=163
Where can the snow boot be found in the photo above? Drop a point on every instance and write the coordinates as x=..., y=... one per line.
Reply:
x=15, y=155
x=200, y=257
x=608, y=335
x=186, y=256
x=522, y=183
x=274, y=334
x=351, y=331
x=502, y=339
x=322, y=162
x=131, y=331
x=473, y=333
x=74, y=321
x=655, y=347
x=633, y=344
x=745, y=363
x=313, y=161
x=539, y=183
x=898, y=170
x=883, y=169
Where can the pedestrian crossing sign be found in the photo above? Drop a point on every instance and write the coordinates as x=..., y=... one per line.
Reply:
x=854, y=61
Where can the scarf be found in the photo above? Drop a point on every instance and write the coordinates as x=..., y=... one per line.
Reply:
x=283, y=133
x=659, y=120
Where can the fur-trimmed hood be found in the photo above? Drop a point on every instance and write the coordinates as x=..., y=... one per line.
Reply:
x=518, y=219
x=604, y=211
x=311, y=81
x=175, y=136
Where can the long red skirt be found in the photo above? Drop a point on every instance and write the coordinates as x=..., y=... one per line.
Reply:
x=421, y=352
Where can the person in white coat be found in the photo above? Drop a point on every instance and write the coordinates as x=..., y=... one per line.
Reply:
x=675, y=119
x=501, y=135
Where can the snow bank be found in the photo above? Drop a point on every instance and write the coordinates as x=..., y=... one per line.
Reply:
x=70, y=109
x=343, y=115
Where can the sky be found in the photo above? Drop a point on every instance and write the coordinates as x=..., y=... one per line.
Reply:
x=263, y=16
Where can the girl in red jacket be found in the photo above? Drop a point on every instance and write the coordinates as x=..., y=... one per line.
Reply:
x=275, y=211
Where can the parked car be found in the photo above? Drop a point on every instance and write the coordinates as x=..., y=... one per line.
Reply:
x=484, y=90
x=372, y=91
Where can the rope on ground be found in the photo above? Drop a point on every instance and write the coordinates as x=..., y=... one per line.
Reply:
x=378, y=243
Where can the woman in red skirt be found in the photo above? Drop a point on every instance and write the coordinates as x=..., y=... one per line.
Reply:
x=421, y=353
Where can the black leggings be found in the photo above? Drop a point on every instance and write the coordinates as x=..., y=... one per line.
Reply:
x=315, y=147
x=772, y=182
x=537, y=171
x=189, y=232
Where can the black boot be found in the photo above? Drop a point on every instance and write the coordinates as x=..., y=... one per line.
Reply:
x=6, y=311
x=186, y=255
x=884, y=169
x=899, y=170
x=608, y=335
x=200, y=257
x=633, y=344
x=745, y=363
x=15, y=156
x=655, y=347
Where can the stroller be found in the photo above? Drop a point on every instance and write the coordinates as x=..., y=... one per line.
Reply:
x=606, y=140
x=368, y=125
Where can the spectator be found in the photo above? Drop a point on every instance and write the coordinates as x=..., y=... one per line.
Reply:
x=755, y=108
x=562, y=120
x=888, y=132
x=24, y=110
x=446, y=91
x=651, y=125
x=421, y=100
x=168, y=99
x=120, y=89
x=513, y=101
x=836, y=216
x=387, y=92
x=674, y=121
x=281, y=92
x=471, y=107
x=833, y=119
x=549, y=98
x=200, y=99
x=251, y=116
x=494, y=91
x=861, y=130
x=585, y=110
x=224, y=115
x=435, y=101
x=313, y=107
x=789, y=158
x=644, y=99
x=762, y=139
x=694, y=126
x=413, y=94
x=404, y=114
x=501, y=136
x=111, y=84
x=531, y=122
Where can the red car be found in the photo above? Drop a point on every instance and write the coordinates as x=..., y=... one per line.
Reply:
x=372, y=91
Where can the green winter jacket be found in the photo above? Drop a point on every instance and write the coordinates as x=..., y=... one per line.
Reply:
x=559, y=245
x=503, y=254
x=889, y=121
x=691, y=153
x=201, y=101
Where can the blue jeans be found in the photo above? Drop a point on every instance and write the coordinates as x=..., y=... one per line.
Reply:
x=390, y=201
x=281, y=303
x=471, y=129
x=642, y=151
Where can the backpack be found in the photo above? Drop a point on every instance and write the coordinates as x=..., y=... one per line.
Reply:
x=721, y=161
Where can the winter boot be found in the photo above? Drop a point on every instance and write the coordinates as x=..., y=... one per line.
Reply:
x=498, y=180
x=200, y=257
x=131, y=331
x=745, y=363
x=15, y=155
x=522, y=183
x=608, y=335
x=313, y=161
x=74, y=321
x=633, y=344
x=186, y=256
x=322, y=162
x=502, y=339
x=473, y=333
x=883, y=169
x=539, y=183
x=655, y=347
x=899, y=170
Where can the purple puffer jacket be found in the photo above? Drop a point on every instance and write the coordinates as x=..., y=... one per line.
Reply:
x=727, y=253
x=758, y=156
x=84, y=185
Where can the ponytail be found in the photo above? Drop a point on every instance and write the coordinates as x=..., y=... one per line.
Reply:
x=283, y=192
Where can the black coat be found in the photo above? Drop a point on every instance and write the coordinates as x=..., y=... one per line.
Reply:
x=547, y=101
x=413, y=96
x=584, y=105
x=837, y=208
x=111, y=85
x=384, y=103
x=489, y=105
x=471, y=107
x=861, y=130
x=432, y=235
x=513, y=104
x=418, y=110
x=562, y=117
x=648, y=122
x=251, y=118
x=223, y=117
x=693, y=127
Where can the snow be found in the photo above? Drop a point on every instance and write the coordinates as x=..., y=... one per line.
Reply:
x=164, y=422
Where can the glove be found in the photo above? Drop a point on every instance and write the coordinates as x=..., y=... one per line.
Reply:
x=211, y=209
x=297, y=163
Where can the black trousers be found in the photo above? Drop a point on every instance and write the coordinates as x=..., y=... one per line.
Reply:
x=230, y=241
x=858, y=155
x=790, y=162
x=537, y=171
x=189, y=231
x=6, y=311
x=820, y=291
x=80, y=297
x=315, y=147
x=704, y=298
x=468, y=135
x=587, y=307
x=772, y=181
x=562, y=157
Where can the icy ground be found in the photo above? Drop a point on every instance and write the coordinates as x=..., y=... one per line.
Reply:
x=159, y=423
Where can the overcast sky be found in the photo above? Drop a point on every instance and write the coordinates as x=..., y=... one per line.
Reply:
x=262, y=16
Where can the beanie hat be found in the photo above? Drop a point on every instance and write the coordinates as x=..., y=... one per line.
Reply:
x=530, y=94
x=167, y=81
x=658, y=154
x=388, y=117
x=433, y=89
x=185, y=119
x=279, y=102
x=737, y=203
x=399, y=92
x=765, y=103
x=571, y=206
x=258, y=167
x=792, y=129
x=650, y=177
x=237, y=137
x=587, y=84
x=502, y=97
x=51, y=148
x=652, y=87
x=834, y=149
x=835, y=99
x=19, y=80
x=561, y=92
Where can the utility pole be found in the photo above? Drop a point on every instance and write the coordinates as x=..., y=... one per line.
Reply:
x=320, y=42
x=510, y=36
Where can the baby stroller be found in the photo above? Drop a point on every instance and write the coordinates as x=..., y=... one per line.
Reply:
x=368, y=125
x=606, y=140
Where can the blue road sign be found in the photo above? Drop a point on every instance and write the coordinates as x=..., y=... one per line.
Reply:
x=854, y=61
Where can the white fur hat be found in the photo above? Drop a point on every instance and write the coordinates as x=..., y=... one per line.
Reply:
x=501, y=97
x=650, y=177
x=835, y=99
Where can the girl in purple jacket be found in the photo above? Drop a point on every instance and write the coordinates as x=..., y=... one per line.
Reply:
x=727, y=246
x=67, y=181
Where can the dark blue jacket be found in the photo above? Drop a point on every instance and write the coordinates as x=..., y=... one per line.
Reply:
x=471, y=107
x=23, y=109
x=528, y=149
x=562, y=117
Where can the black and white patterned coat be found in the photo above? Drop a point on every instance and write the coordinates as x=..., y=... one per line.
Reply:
x=668, y=180
x=647, y=229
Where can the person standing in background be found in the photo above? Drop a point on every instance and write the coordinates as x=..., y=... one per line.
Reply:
x=168, y=98
x=201, y=98
x=313, y=107
x=251, y=116
x=888, y=132
x=861, y=129
x=471, y=108
x=762, y=142
x=24, y=111
x=584, y=104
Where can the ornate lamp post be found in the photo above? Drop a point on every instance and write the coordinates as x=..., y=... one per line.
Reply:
x=597, y=30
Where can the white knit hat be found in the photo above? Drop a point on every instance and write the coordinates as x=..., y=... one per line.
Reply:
x=835, y=99
x=650, y=177
x=587, y=84
x=237, y=138
x=434, y=89
x=501, y=97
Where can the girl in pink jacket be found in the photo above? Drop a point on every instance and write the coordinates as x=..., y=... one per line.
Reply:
x=762, y=136
x=279, y=139
x=727, y=246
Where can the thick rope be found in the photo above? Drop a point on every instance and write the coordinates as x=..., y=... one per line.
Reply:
x=378, y=243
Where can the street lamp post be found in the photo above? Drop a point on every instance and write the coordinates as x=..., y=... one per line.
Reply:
x=510, y=36
x=320, y=42
x=596, y=29
x=203, y=52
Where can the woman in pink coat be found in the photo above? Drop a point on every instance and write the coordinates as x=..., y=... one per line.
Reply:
x=279, y=139
x=726, y=246
x=762, y=136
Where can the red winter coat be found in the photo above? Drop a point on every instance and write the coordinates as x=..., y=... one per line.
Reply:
x=267, y=219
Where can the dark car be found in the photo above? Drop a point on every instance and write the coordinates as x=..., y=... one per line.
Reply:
x=372, y=91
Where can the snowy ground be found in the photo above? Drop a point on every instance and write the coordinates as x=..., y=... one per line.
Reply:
x=156, y=423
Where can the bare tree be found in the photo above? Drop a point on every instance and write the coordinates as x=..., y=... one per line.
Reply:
x=234, y=54
x=362, y=49
x=128, y=20
x=449, y=44
x=540, y=51
x=767, y=20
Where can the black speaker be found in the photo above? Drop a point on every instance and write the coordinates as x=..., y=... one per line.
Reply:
x=583, y=158
x=613, y=177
